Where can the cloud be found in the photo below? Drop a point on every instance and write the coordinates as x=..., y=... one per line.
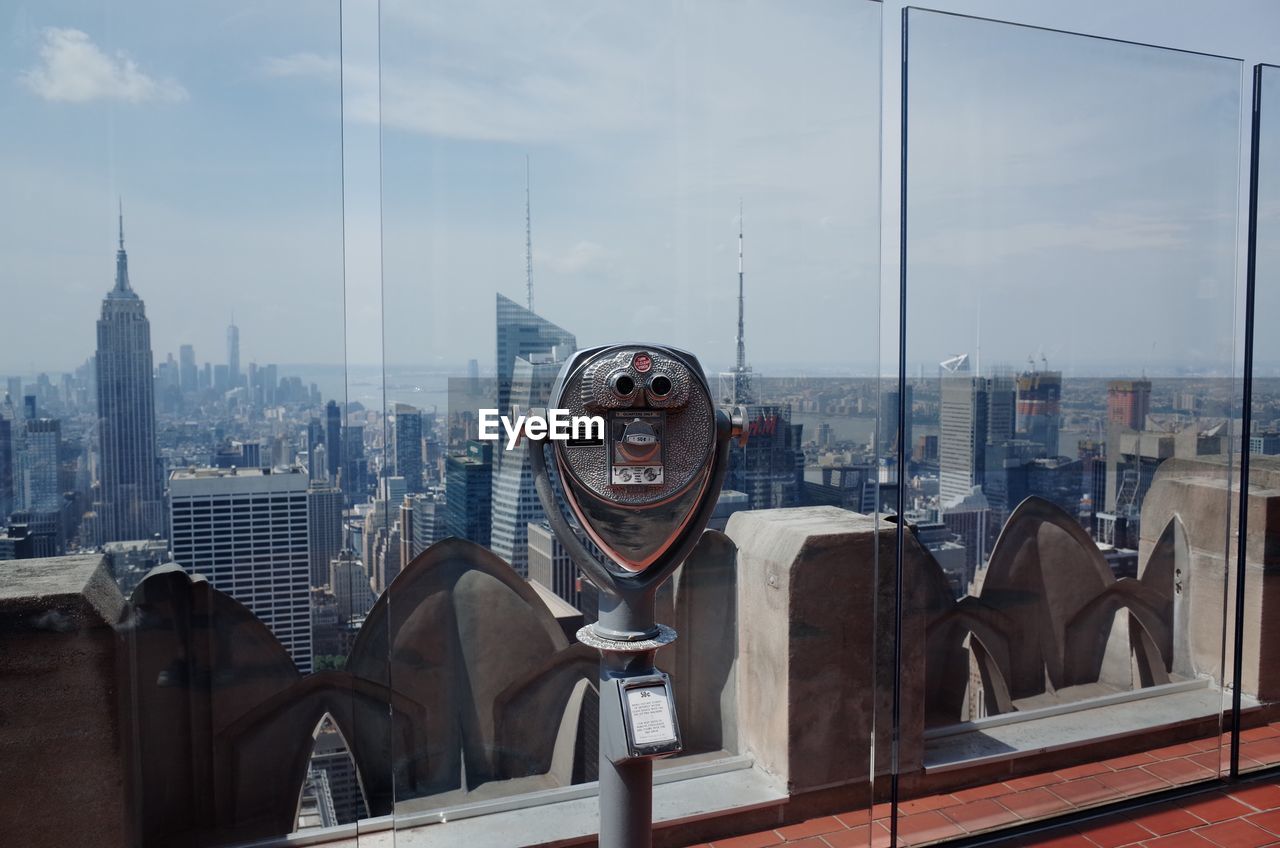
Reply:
x=307, y=65
x=73, y=69
x=583, y=256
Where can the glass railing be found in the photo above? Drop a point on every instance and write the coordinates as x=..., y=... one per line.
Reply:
x=999, y=544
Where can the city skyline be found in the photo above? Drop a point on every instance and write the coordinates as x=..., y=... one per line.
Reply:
x=575, y=247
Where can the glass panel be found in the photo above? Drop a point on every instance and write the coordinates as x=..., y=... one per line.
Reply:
x=560, y=176
x=1260, y=733
x=168, y=413
x=1070, y=293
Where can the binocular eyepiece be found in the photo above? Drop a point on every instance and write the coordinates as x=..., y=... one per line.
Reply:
x=644, y=492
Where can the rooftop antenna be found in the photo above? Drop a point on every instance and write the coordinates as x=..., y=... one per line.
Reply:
x=528, y=237
x=742, y=342
x=120, y=201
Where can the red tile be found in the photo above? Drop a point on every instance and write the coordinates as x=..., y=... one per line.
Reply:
x=1031, y=781
x=1180, y=771
x=976, y=793
x=854, y=837
x=1265, y=751
x=881, y=811
x=1088, y=790
x=1216, y=808
x=928, y=802
x=811, y=842
x=1132, y=781
x=1034, y=803
x=1164, y=820
x=1215, y=760
x=1269, y=821
x=1171, y=752
x=1236, y=834
x=1129, y=762
x=1115, y=832
x=980, y=815
x=750, y=840
x=855, y=818
x=926, y=827
x=1186, y=839
x=1254, y=734
x=1260, y=796
x=812, y=827
x=1082, y=770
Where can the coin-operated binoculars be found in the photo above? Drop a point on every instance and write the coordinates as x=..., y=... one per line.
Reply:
x=642, y=491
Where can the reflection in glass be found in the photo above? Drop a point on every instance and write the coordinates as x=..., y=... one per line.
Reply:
x=1258, y=682
x=1070, y=286
x=697, y=175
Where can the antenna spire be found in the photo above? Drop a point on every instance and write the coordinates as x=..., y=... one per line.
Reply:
x=122, y=259
x=528, y=237
x=741, y=372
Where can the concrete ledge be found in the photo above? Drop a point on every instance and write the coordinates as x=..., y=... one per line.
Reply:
x=63, y=782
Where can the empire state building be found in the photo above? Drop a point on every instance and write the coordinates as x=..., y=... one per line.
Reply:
x=130, y=496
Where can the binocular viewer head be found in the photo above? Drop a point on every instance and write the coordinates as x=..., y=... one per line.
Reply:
x=644, y=488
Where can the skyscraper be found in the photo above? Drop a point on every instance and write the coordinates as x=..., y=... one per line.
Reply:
x=40, y=490
x=324, y=529
x=515, y=502
x=187, y=374
x=963, y=437
x=770, y=468
x=522, y=333
x=406, y=436
x=245, y=530
x=233, y=354
x=131, y=505
x=355, y=467
x=1128, y=402
x=332, y=438
x=468, y=485
x=6, y=459
x=889, y=423
x=1039, y=408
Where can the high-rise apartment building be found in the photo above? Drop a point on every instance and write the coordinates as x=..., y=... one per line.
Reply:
x=131, y=505
x=468, y=485
x=349, y=581
x=1128, y=402
x=1039, y=408
x=40, y=489
x=325, y=505
x=522, y=333
x=245, y=530
x=406, y=445
x=430, y=522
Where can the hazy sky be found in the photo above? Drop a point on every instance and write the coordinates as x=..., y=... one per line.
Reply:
x=1053, y=178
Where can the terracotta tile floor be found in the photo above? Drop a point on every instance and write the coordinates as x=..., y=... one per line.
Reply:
x=1243, y=815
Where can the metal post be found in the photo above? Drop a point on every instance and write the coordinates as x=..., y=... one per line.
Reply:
x=626, y=788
